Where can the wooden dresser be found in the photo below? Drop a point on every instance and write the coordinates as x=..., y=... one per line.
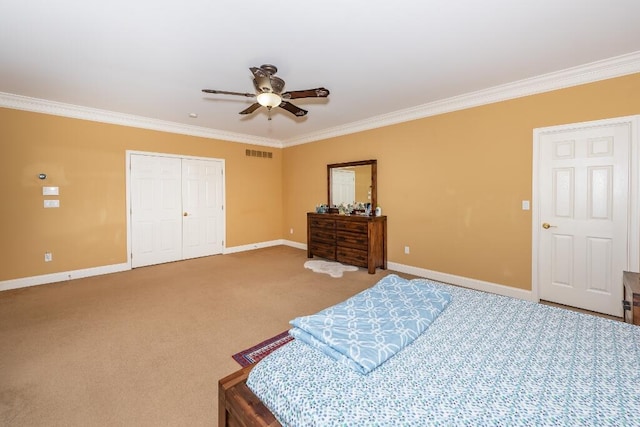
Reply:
x=349, y=239
x=631, y=302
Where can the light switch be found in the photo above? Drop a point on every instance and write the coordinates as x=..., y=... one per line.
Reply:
x=525, y=205
x=50, y=191
x=52, y=203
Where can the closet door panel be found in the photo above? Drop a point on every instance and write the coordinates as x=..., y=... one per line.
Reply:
x=155, y=210
x=203, y=208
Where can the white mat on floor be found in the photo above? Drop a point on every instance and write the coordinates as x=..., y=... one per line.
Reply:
x=333, y=269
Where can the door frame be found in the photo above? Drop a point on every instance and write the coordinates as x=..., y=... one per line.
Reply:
x=633, y=225
x=129, y=153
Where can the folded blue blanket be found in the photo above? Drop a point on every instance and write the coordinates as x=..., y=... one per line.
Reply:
x=367, y=329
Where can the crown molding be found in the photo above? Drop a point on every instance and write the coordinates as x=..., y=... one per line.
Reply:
x=600, y=70
x=589, y=73
x=44, y=106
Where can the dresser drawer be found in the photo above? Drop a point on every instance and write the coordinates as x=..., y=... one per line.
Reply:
x=352, y=256
x=322, y=223
x=323, y=235
x=354, y=226
x=323, y=250
x=352, y=240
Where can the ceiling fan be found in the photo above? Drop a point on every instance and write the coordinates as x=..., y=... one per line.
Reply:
x=269, y=92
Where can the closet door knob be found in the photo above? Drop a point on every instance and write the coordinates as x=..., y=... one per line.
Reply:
x=185, y=214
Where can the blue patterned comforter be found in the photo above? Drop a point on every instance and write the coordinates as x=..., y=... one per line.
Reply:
x=367, y=329
x=487, y=360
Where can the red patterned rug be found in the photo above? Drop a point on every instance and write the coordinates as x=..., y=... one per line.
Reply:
x=260, y=351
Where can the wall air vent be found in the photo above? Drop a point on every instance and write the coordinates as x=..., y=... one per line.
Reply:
x=257, y=153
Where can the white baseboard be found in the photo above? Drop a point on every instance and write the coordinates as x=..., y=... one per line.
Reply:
x=62, y=276
x=296, y=245
x=25, y=282
x=252, y=246
x=465, y=282
x=416, y=271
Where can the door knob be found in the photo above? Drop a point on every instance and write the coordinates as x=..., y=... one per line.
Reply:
x=186, y=214
x=546, y=226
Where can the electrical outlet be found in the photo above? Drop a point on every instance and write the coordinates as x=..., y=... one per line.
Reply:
x=291, y=231
x=48, y=257
x=406, y=250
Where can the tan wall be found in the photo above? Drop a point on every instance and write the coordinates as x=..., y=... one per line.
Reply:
x=87, y=161
x=452, y=185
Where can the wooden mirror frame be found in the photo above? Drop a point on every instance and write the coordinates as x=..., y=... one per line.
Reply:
x=374, y=180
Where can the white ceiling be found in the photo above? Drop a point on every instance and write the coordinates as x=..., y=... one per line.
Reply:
x=151, y=58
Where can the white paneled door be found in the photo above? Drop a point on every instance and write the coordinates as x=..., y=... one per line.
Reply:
x=156, y=209
x=202, y=208
x=584, y=208
x=176, y=208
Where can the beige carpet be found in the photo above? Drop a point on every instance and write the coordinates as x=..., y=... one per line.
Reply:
x=146, y=347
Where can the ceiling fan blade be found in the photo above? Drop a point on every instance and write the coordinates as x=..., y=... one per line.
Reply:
x=225, y=92
x=277, y=84
x=253, y=107
x=296, y=111
x=319, y=92
x=261, y=80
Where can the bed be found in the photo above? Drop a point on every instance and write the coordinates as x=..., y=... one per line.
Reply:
x=484, y=360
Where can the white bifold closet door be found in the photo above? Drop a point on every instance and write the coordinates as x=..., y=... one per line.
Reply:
x=176, y=209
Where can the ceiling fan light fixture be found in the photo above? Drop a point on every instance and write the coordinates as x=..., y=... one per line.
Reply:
x=269, y=99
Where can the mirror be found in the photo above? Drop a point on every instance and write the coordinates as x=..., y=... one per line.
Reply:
x=352, y=183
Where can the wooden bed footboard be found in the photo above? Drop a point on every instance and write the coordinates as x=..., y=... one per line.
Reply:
x=238, y=406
